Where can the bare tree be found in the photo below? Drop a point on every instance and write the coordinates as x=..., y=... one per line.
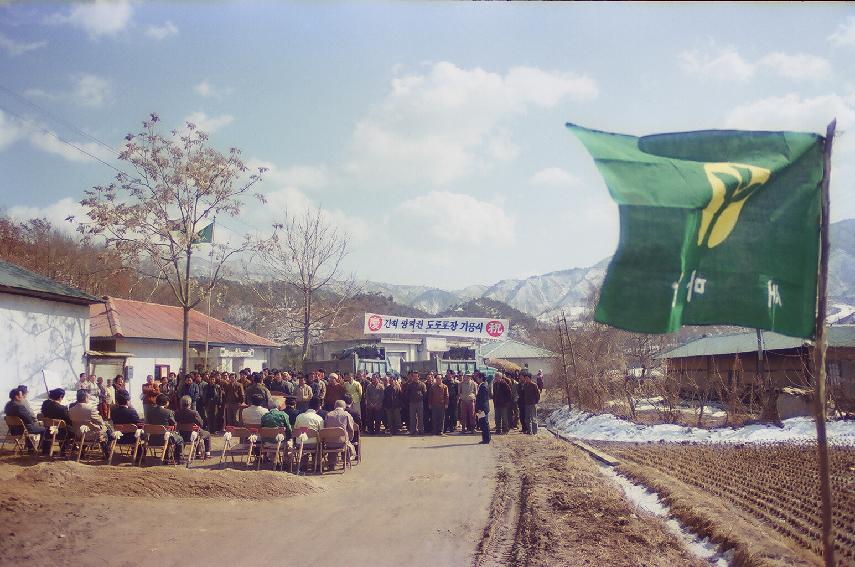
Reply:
x=153, y=216
x=308, y=294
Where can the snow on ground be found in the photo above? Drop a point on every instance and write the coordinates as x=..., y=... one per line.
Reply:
x=657, y=403
x=607, y=427
x=650, y=502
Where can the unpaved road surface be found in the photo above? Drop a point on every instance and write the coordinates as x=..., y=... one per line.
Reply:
x=413, y=501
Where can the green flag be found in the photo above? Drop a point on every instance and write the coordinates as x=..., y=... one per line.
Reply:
x=205, y=236
x=716, y=227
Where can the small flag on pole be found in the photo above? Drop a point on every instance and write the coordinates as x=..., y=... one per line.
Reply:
x=716, y=227
x=205, y=236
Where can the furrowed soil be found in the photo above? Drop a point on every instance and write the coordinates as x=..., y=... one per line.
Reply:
x=552, y=506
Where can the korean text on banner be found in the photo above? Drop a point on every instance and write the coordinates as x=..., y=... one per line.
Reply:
x=472, y=327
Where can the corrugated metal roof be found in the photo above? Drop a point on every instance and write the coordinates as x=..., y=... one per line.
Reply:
x=123, y=318
x=838, y=336
x=18, y=280
x=513, y=349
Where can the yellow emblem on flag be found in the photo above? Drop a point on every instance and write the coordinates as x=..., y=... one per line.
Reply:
x=719, y=217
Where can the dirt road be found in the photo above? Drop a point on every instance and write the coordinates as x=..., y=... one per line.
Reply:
x=413, y=501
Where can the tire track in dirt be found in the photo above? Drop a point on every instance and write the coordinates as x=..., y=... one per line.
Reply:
x=498, y=546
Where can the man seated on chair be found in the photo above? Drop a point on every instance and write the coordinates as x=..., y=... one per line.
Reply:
x=53, y=408
x=186, y=415
x=18, y=407
x=252, y=415
x=277, y=417
x=310, y=418
x=159, y=414
x=340, y=417
x=123, y=414
x=84, y=412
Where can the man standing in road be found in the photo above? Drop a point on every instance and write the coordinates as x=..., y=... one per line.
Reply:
x=414, y=393
x=530, y=398
x=482, y=408
x=438, y=401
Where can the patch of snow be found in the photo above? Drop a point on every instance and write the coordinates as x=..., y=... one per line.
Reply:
x=607, y=427
x=650, y=502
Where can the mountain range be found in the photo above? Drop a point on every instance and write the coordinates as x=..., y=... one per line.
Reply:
x=543, y=297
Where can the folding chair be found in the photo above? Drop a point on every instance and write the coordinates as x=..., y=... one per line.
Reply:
x=239, y=441
x=132, y=450
x=193, y=442
x=19, y=439
x=273, y=445
x=305, y=445
x=53, y=428
x=157, y=438
x=87, y=441
x=334, y=441
x=357, y=447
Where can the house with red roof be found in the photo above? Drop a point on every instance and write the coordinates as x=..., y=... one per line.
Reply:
x=138, y=339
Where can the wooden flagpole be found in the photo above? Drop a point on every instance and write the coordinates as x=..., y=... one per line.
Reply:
x=820, y=351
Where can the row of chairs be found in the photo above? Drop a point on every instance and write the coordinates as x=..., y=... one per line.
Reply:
x=148, y=441
x=253, y=446
x=308, y=446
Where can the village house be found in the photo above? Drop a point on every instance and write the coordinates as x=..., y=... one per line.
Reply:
x=137, y=339
x=45, y=330
x=725, y=363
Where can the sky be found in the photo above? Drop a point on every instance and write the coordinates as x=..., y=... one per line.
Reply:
x=432, y=133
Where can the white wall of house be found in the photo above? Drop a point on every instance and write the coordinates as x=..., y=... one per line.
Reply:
x=146, y=355
x=39, y=334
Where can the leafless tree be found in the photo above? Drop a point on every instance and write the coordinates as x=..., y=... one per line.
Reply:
x=307, y=294
x=153, y=216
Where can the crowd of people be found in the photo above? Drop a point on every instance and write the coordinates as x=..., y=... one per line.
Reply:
x=360, y=404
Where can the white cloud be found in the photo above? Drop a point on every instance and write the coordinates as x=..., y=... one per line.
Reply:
x=15, y=48
x=162, y=31
x=797, y=66
x=724, y=65
x=208, y=90
x=98, y=18
x=844, y=35
x=442, y=125
x=49, y=143
x=554, y=177
x=209, y=124
x=456, y=219
x=10, y=131
x=56, y=213
x=792, y=112
x=92, y=90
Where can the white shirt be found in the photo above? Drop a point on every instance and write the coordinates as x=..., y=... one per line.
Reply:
x=252, y=415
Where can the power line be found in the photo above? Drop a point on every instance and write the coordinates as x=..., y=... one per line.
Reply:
x=60, y=138
x=56, y=117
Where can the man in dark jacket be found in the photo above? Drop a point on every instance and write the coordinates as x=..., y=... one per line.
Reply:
x=187, y=416
x=414, y=394
x=438, y=402
x=258, y=387
x=502, y=399
x=17, y=407
x=392, y=406
x=160, y=415
x=453, y=400
x=53, y=408
x=530, y=398
x=482, y=408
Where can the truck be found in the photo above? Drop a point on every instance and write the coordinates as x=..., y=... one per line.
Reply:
x=364, y=358
x=438, y=366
